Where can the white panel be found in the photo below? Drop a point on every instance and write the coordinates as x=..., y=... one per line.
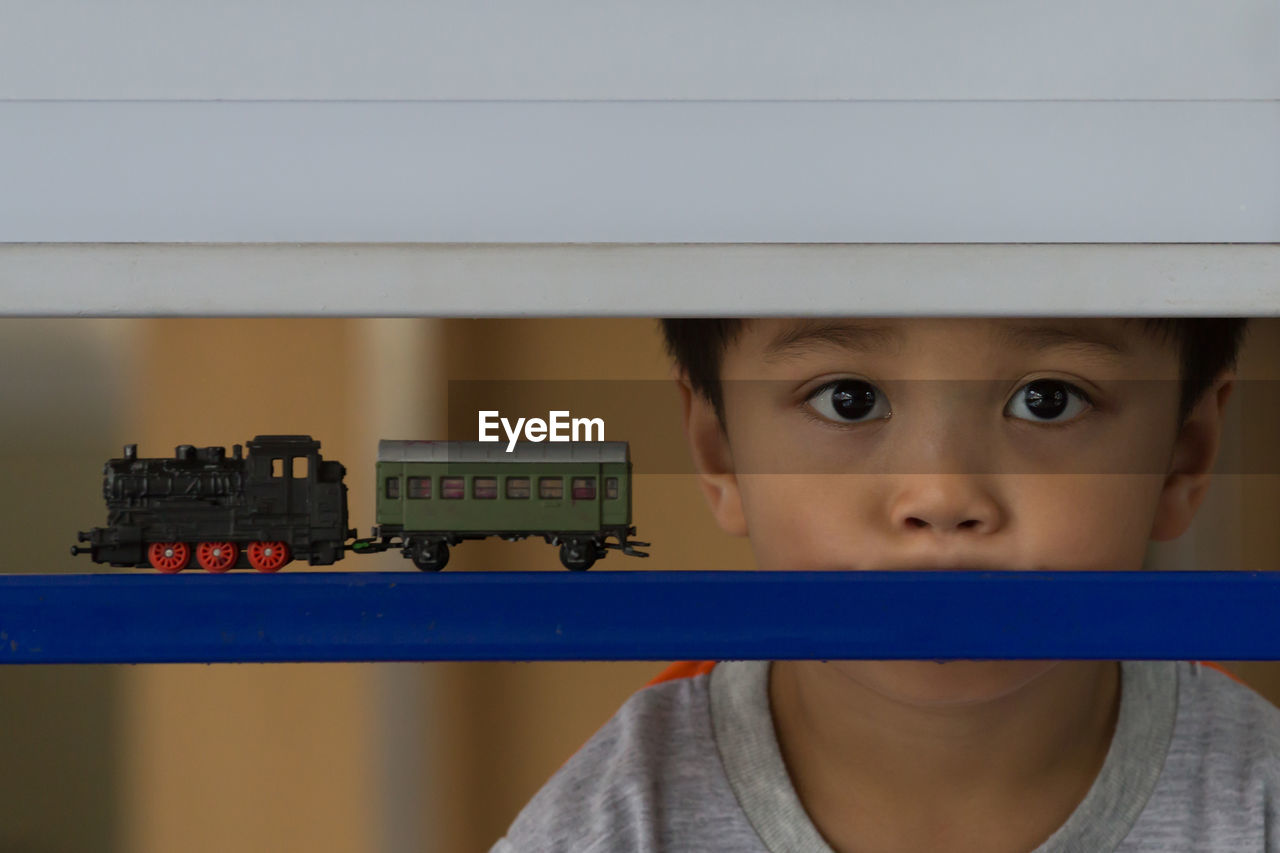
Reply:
x=640, y=172
x=622, y=49
x=601, y=280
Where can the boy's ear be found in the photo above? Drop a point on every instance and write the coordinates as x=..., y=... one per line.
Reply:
x=712, y=459
x=1194, y=452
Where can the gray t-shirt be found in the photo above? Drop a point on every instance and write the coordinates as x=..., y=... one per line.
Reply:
x=692, y=765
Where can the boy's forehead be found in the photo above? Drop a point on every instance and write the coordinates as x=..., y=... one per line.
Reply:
x=776, y=338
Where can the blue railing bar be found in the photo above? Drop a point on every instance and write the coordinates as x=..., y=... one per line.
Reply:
x=646, y=615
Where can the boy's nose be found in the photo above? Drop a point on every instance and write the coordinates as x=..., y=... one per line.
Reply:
x=944, y=504
x=920, y=522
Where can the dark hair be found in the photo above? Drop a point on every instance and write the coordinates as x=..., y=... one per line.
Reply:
x=1206, y=347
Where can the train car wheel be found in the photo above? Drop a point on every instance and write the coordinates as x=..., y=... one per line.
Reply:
x=169, y=557
x=576, y=555
x=431, y=556
x=268, y=556
x=217, y=556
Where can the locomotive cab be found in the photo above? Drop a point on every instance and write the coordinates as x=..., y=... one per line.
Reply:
x=281, y=473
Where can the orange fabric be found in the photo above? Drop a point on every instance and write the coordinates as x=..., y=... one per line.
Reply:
x=682, y=669
x=1228, y=673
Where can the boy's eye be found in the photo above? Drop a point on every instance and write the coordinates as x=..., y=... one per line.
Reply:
x=846, y=400
x=854, y=401
x=1046, y=399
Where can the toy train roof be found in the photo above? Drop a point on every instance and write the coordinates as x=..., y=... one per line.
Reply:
x=394, y=450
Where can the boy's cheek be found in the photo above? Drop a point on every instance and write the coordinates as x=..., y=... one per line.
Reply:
x=1096, y=523
x=800, y=522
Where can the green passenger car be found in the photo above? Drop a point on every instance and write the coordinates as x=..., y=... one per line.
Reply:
x=433, y=494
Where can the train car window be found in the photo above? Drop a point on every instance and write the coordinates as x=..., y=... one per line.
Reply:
x=611, y=488
x=393, y=488
x=584, y=488
x=518, y=487
x=484, y=487
x=299, y=467
x=551, y=488
x=452, y=488
x=419, y=487
x=277, y=467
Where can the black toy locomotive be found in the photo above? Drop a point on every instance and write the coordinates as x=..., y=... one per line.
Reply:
x=283, y=502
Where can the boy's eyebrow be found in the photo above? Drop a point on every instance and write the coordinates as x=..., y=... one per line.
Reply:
x=853, y=335
x=862, y=336
x=1042, y=335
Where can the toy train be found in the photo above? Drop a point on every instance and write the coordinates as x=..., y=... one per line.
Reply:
x=282, y=502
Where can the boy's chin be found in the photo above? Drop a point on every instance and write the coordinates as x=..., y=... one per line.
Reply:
x=934, y=684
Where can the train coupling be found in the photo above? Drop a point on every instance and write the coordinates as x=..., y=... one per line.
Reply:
x=368, y=546
x=627, y=547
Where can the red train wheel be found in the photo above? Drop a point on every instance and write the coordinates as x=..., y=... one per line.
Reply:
x=268, y=556
x=169, y=557
x=217, y=556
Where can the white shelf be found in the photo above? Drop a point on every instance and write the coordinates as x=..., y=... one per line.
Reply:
x=394, y=158
x=628, y=280
x=633, y=172
x=624, y=50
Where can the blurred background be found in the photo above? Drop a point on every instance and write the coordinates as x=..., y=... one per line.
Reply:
x=353, y=757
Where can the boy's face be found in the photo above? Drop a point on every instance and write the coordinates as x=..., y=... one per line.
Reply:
x=835, y=455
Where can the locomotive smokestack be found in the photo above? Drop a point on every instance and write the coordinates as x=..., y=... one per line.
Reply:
x=131, y=451
x=184, y=452
x=235, y=451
